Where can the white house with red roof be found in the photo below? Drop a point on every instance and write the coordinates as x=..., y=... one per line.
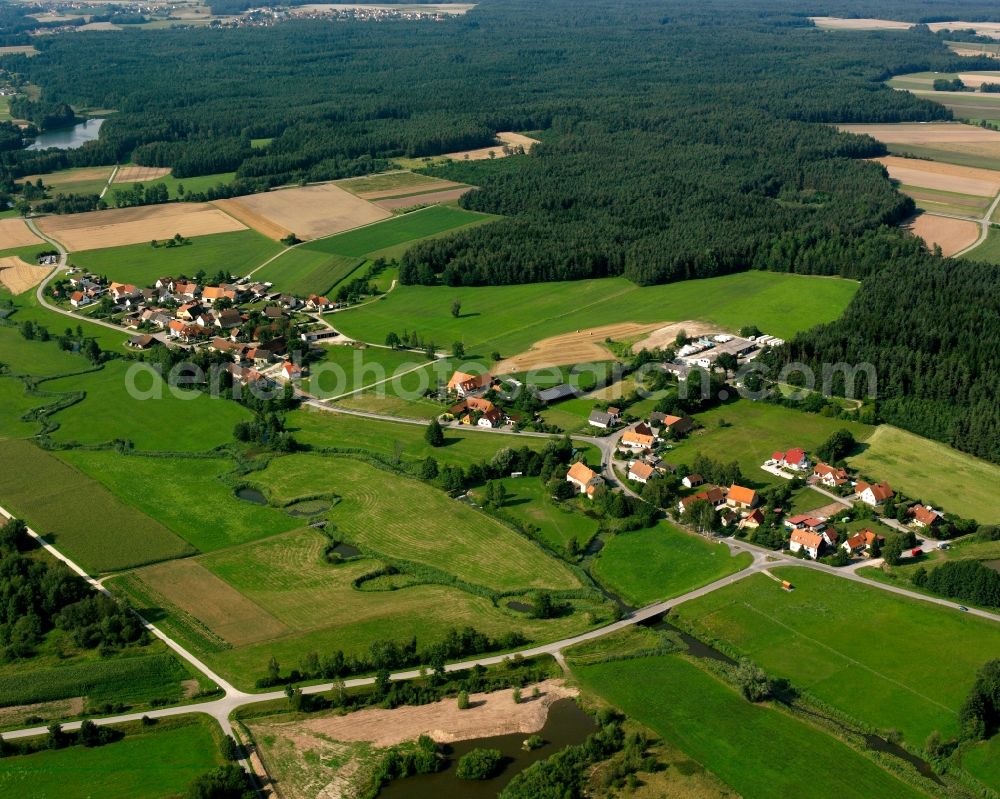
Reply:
x=811, y=542
x=794, y=459
x=924, y=516
x=874, y=493
x=466, y=385
x=830, y=476
x=584, y=478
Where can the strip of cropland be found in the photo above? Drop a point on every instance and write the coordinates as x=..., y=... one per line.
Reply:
x=511, y=318
x=759, y=750
x=829, y=633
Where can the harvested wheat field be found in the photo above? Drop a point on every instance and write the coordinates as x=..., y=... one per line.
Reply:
x=578, y=347
x=953, y=235
x=990, y=29
x=310, y=212
x=117, y=227
x=929, y=133
x=85, y=174
x=215, y=604
x=16, y=233
x=431, y=198
x=942, y=177
x=840, y=24
x=19, y=276
x=138, y=174
x=505, y=137
x=665, y=336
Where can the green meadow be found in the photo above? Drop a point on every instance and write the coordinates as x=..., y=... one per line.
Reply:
x=758, y=750
x=830, y=634
x=304, y=270
x=346, y=369
x=156, y=762
x=143, y=264
x=190, y=185
x=14, y=403
x=982, y=761
x=511, y=318
x=27, y=308
x=645, y=566
x=38, y=358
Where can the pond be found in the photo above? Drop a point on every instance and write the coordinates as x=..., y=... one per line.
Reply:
x=308, y=508
x=566, y=725
x=251, y=495
x=68, y=138
x=346, y=550
x=695, y=648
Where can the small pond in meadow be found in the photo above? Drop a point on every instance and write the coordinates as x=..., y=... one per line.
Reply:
x=251, y=495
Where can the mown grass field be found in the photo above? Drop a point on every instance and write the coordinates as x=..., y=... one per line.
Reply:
x=143, y=264
x=557, y=524
x=191, y=185
x=186, y=495
x=756, y=749
x=830, y=634
x=983, y=762
x=933, y=472
x=82, y=180
x=755, y=430
x=948, y=154
x=303, y=271
x=405, y=181
x=407, y=520
x=988, y=251
x=660, y=562
x=148, y=763
x=39, y=358
x=78, y=515
x=347, y=369
x=278, y=596
x=14, y=403
x=947, y=202
x=511, y=318
x=27, y=308
x=176, y=422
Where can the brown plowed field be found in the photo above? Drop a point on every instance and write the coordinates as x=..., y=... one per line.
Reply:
x=953, y=235
x=117, y=227
x=15, y=233
x=138, y=174
x=942, y=177
x=19, y=276
x=309, y=212
x=430, y=198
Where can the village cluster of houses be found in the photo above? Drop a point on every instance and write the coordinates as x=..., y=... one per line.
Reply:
x=702, y=353
x=737, y=505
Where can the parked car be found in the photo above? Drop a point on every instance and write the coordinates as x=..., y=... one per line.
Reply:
x=963, y=608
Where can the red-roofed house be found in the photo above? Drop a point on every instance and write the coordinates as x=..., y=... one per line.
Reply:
x=465, y=384
x=753, y=519
x=78, y=299
x=829, y=476
x=810, y=542
x=584, y=478
x=740, y=497
x=715, y=496
x=290, y=371
x=640, y=472
x=792, y=459
x=925, y=516
x=874, y=493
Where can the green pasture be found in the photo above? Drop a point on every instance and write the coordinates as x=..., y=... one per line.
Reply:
x=346, y=369
x=989, y=250
x=143, y=264
x=645, y=566
x=932, y=472
x=78, y=515
x=156, y=762
x=758, y=750
x=38, y=358
x=829, y=634
x=27, y=308
x=947, y=202
x=14, y=403
x=74, y=181
x=303, y=270
x=982, y=761
x=187, y=495
x=958, y=154
x=192, y=185
x=511, y=318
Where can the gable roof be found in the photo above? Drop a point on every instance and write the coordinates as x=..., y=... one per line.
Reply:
x=745, y=496
x=581, y=473
x=600, y=416
x=807, y=539
x=641, y=470
x=633, y=436
x=823, y=469
x=469, y=382
x=795, y=455
x=925, y=515
x=881, y=491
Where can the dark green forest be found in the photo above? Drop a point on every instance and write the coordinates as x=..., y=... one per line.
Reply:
x=680, y=141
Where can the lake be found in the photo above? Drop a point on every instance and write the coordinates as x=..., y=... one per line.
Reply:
x=68, y=138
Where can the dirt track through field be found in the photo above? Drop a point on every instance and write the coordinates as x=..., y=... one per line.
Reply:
x=942, y=177
x=953, y=235
x=138, y=174
x=19, y=276
x=85, y=174
x=431, y=198
x=15, y=233
x=117, y=227
x=666, y=336
x=309, y=212
x=580, y=346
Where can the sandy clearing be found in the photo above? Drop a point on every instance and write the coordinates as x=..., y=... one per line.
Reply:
x=16, y=233
x=136, y=174
x=19, y=276
x=84, y=174
x=117, y=227
x=309, y=212
x=929, y=133
x=580, y=346
x=213, y=602
x=488, y=715
x=431, y=185
x=867, y=24
x=953, y=235
x=665, y=336
x=505, y=137
x=943, y=177
x=432, y=198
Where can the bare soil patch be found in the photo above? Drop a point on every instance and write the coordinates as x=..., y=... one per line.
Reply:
x=120, y=226
x=16, y=233
x=212, y=601
x=57, y=709
x=580, y=346
x=837, y=23
x=431, y=198
x=137, y=174
x=505, y=137
x=309, y=212
x=943, y=177
x=953, y=235
x=19, y=276
x=665, y=336
x=929, y=133
x=833, y=510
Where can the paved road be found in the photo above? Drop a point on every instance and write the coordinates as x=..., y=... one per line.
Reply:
x=984, y=227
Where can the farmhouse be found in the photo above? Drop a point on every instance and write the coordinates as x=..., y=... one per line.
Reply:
x=692, y=481
x=141, y=342
x=640, y=472
x=874, y=493
x=753, y=519
x=317, y=303
x=465, y=384
x=829, y=476
x=740, y=497
x=792, y=459
x=677, y=425
x=925, y=516
x=290, y=371
x=185, y=290
x=638, y=437
x=678, y=370
x=601, y=419
x=862, y=541
x=805, y=522
x=584, y=478
x=715, y=496
x=212, y=294
x=229, y=319
x=805, y=540
x=78, y=299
